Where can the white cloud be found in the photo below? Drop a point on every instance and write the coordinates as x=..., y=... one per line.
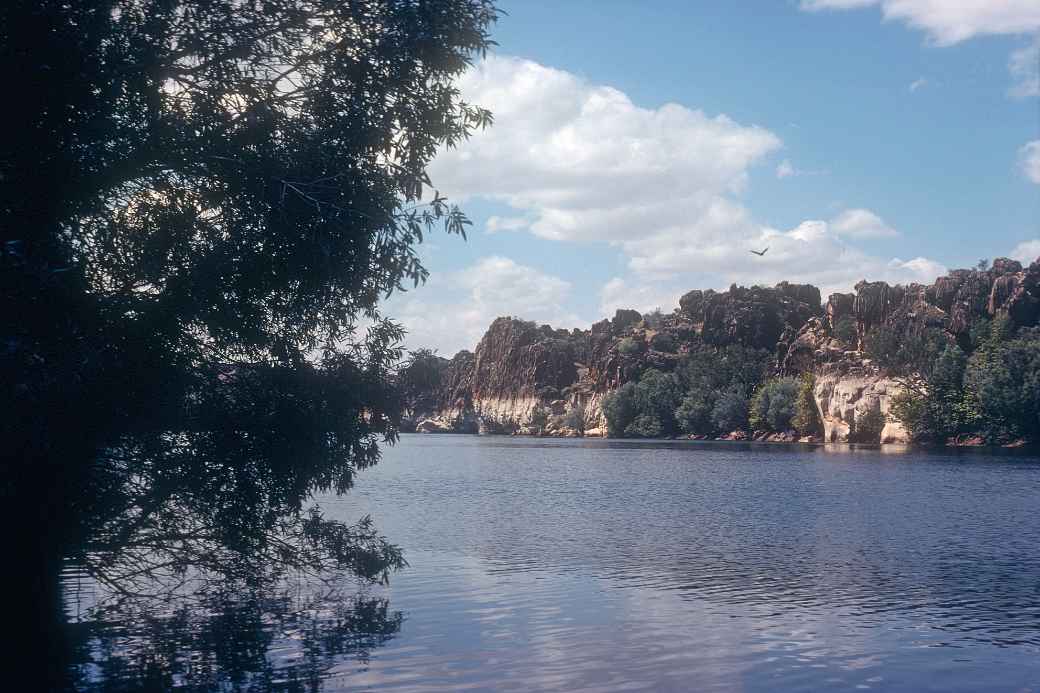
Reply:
x=585, y=163
x=1029, y=160
x=918, y=83
x=1026, y=252
x=861, y=223
x=452, y=311
x=949, y=21
x=785, y=169
x=581, y=163
x=1024, y=66
x=495, y=224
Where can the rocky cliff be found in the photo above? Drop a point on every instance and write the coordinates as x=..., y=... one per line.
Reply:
x=531, y=379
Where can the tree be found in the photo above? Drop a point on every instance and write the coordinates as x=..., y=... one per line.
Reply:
x=807, y=418
x=730, y=412
x=200, y=202
x=775, y=405
x=418, y=378
x=694, y=413
x=645, y=426
x=867, y=427
x=714, y=380
x=619, y=408
x=936, y=411
x=1002, y=386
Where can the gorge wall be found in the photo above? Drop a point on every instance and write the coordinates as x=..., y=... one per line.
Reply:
x=530, y=379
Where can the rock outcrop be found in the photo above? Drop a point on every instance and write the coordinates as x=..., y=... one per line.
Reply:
x=529, y=379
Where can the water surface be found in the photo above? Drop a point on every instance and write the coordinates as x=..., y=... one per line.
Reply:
x=594, y=565
x=581, y=565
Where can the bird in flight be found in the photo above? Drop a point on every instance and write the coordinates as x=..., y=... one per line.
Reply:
x=759, y=253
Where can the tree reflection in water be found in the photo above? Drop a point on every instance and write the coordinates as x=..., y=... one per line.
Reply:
x=286, y=637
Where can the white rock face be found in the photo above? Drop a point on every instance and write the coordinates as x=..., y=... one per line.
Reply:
x=843, y=397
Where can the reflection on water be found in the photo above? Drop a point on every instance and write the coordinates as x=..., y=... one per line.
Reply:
x=594, y=565
x=292, y=638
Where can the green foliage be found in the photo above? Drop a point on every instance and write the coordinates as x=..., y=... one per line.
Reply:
x=905, y=354
x=806, y=419
x=775, y=405
x=694, y=414
x=1002, y=387
x=994, y=393
x=654, y=398
x=662, y=341
x=645, y=426
x=629, y=347
x=619, y=408
x=845, y=330
x=730, y=412
x=717, y=384
x=867, y=427
x=937, y=411
x=419, y=376
x=202, y=203
x=711, y=371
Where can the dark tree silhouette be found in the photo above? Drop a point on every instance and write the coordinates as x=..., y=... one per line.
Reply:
x=201, y=202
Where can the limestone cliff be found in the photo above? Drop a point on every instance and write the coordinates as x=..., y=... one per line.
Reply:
x=531, y=379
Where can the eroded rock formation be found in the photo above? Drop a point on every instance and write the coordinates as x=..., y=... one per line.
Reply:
x=531, y=379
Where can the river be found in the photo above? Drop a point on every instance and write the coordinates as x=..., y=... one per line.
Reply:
x=582, y=565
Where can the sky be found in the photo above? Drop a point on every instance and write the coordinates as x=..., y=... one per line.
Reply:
x=642, y=149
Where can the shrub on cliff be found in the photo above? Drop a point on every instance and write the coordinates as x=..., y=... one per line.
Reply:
x=629, y=347
x=775, y=405
x=907, y=355
x=662, y=341
x=806, y=419
x=845, y=331
x=867, y=427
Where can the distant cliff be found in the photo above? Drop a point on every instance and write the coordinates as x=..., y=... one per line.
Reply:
x=531, y=379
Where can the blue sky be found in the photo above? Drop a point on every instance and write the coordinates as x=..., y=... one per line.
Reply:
x=642, y=148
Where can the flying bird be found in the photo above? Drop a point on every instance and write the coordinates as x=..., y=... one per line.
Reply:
x=759, y=253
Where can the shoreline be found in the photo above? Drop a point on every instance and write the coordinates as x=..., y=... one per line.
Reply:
x=965, y=442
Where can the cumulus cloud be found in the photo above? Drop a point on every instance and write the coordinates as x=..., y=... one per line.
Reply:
x=585, y=163
x=862, y=223
x=581, y=163
x=1026, y=252
x=1029, y=160
x=949, y=21
x=496, y=223
x=452, y=311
